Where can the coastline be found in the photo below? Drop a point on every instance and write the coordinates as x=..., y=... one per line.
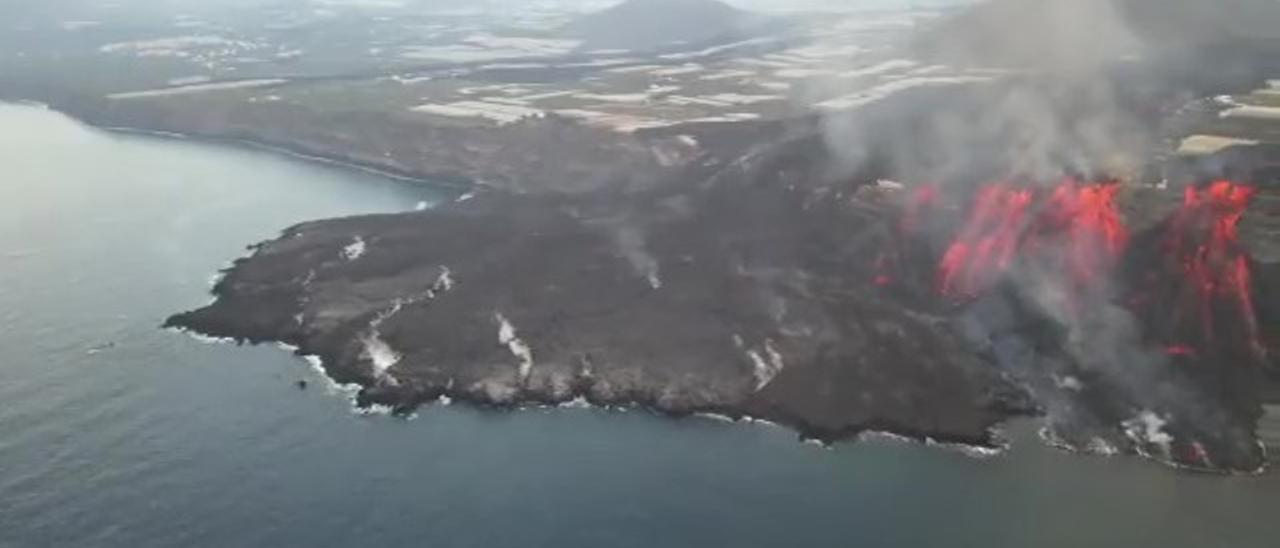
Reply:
x=542, y=155
x=992, y=447
x=333, y=159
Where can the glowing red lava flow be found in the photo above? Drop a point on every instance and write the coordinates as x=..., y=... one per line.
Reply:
x=988, y=242
x=1095, y=232
x=1075, y=225
x=1204, y=238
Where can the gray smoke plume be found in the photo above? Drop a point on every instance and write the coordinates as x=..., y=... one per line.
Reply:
x=1052, y=109
x=1056, y=109
x=1064, y=38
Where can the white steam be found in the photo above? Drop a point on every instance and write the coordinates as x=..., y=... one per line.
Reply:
x=523, y=353
x=355, y=249
x=1069, y=118
x=631, y=244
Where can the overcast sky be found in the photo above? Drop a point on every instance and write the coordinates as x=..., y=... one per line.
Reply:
x=839, y=4
x=770, y=5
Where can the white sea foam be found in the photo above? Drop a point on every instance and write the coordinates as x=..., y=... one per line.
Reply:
x=881, y=436
x=974, y=451
x=716, y=417
x=333, y=387
x=762, y=422
x=216, y=279
x=579, y=402
x=207, y=339
x=375, y=409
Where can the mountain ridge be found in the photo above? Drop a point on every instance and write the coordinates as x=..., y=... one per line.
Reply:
x=640, y=25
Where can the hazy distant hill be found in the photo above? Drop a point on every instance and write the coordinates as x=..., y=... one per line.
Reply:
x=648, y=24
x=1034, y=32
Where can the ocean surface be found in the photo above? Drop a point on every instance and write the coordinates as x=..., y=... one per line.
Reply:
x=114, y=432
